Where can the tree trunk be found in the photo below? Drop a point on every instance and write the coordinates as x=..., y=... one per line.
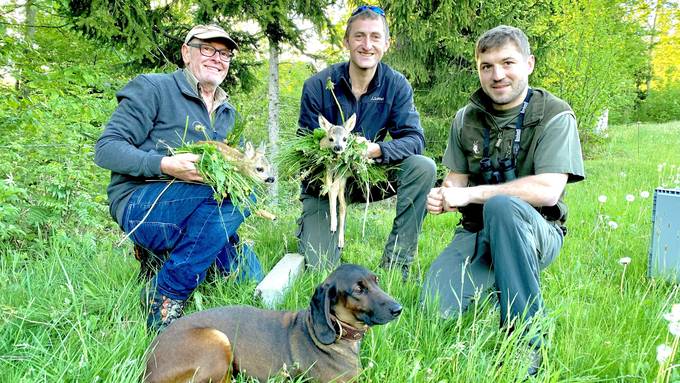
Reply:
x=650, y=52
x=29, y=37
x=274, y=111
x=30, y=10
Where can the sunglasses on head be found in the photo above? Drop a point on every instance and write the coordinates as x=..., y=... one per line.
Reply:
x=373, y=8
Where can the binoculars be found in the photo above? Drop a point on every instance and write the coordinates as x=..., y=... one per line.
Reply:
x=491, y=175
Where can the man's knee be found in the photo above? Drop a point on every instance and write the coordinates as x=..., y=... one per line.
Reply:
x=418, y=168
x=505, y=208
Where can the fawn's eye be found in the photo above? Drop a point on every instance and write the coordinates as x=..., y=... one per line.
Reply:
x=259, y=169
x=344, y=139
x=330, y=139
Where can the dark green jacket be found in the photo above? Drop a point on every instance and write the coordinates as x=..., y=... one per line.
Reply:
x=549, y=144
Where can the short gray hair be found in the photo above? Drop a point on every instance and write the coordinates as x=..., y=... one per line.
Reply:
x=367, y=14
x=499, y=37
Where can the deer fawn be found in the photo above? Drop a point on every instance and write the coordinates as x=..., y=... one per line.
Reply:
x=336, y=140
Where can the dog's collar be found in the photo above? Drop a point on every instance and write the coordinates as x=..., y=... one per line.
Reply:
x=345, y=331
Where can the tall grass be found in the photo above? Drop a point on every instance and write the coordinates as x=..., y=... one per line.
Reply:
x=70, y=312
x=69, y=297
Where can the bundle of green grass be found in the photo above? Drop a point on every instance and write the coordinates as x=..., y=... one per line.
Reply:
x=304, y=159
x=231, y=173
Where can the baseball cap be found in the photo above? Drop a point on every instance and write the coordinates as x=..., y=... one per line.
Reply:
x=210, y=32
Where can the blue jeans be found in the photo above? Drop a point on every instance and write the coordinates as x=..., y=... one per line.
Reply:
x=194, y=229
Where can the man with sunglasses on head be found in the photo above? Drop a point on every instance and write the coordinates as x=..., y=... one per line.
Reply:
x=512, y=149
x=382, y=100
x=175, y=219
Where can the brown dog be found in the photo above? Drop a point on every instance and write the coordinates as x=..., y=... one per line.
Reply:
x=321, y=342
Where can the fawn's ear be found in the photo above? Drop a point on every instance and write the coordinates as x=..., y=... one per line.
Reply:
x=349, y=124
x=323, y=123
x=250, y=151
x=262, y=148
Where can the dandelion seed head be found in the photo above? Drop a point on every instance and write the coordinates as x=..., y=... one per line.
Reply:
x=630, y=197
x=644, y=194
x=663, y=352
x=613, y=225
x=674, y=315
x=625, y=260
x=602, y=198
x=674, y=328
x=622, y=174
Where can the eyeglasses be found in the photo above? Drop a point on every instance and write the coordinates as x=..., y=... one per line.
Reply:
x=373, y=8
x=209, y=51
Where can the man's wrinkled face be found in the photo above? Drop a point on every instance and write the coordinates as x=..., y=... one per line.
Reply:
x=366, y=43
x=504, y=75
x=209, y=71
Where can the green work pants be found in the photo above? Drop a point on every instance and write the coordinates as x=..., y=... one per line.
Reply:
x=506, y=255
x=411, y=182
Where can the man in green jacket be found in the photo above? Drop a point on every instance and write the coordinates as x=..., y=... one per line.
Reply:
x=512, y=149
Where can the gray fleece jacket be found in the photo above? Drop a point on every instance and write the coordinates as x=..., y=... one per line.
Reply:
x=155, y=113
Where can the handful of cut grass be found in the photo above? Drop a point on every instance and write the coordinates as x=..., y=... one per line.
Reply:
x=228, y=176
x=303, y=158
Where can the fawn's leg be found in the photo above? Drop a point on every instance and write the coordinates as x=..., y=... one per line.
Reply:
x=342, y=211
x=332, y=200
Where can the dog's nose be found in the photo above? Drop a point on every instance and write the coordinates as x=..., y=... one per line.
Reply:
x=396, y=310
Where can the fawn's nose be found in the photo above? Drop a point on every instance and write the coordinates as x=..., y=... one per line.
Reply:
x=337, y=148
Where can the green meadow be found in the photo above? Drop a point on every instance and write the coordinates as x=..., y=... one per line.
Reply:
x=69, y=295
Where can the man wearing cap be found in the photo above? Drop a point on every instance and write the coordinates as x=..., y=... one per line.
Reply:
x=177, y=215
x=382, y=100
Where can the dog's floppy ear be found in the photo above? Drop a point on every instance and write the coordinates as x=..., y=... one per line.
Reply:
x=320, y=308
x=349, y=124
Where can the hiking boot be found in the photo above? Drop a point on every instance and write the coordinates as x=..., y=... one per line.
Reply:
x=149, y=262
x=535, y=362
x=535, y=359
x=161, y=311
x=389, y=266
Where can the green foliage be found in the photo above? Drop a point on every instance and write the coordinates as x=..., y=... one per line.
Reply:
x=588, y=53
x=229, y=177
x=274, y=18
x=71, y=313
x=151, y=37
x=593, y=61
x=48, y=180
x=303, y=159
x=661, y=105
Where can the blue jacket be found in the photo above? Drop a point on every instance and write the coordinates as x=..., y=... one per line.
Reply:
x=155, y=113
x=386, y=107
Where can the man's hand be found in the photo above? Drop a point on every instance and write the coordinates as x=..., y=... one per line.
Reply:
x=455, y=197
x=435, y=201
x=182, y=166
x=447, y=198
x=373, y=150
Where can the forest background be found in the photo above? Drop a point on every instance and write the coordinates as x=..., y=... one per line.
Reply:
x=68, y=293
